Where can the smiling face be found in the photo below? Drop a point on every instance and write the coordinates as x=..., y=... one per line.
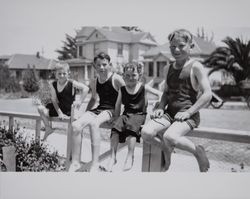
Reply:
x=180, y=48
x=62, y=75
x=132, y=73
x=102, y=67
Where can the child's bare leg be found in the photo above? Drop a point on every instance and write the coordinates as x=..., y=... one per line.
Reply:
x=152, y=133
x=113, y=145
x=44, y=113
x=130, y=156
x=96, y=138
x=78, y=126
x=176, y=135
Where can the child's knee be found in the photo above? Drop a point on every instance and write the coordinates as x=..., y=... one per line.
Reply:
x=171, y=138
x=147, y=134
x=76, y=127
x=41, y=109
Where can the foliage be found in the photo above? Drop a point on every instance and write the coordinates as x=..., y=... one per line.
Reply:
x=8, y=83
x=30, y=80
x=69, y=49
x=31, y=156
x=233, y=58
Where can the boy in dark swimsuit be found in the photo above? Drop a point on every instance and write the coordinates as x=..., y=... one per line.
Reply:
x=126, y=127
x=62, y=94
x=185, y=78
x=106, y=87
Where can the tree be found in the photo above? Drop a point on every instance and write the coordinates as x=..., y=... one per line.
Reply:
x=30, y=80
x=233, y=58
x=69, y=50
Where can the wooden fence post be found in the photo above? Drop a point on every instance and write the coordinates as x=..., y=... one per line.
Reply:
x=9, y=157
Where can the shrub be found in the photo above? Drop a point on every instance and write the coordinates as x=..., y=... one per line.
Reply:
x=30, y=80
x=8, y=83
x=31, y=156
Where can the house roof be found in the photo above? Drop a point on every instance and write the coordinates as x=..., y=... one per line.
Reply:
x=118, y=34
x=201, y=47
x=78, y=62
x=21, y=61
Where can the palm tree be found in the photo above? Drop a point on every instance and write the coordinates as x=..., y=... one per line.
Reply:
x=69, y=50
x=233, y=58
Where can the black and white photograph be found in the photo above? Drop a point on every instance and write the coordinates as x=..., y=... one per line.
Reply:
x=124, y=99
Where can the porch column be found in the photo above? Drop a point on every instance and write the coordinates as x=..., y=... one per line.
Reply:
x=86, y=73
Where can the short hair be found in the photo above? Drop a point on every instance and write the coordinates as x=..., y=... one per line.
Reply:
x=61, y=65
x=102, y=55
x=183, y=33
x=134, y=65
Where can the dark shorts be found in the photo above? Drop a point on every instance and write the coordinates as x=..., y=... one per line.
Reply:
x=53, y=113
x=97, y=111
x=193, y=121
x=129, y=125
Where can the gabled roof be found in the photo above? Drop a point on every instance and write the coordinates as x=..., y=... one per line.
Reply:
x=201, y=47
x=118, y=34
x=21, y=61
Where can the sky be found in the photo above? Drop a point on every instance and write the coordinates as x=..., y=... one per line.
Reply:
x=28, y=26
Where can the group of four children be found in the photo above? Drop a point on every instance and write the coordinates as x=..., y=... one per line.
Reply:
x=186, y=91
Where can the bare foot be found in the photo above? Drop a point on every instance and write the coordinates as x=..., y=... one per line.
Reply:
x=75, y=166
x=48, y=131
x=128, y=163
x=95, y=168
x=110, y=164
x=202, y=159
x=167, y=158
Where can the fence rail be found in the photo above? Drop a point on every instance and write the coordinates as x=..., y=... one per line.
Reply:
x=152, y=155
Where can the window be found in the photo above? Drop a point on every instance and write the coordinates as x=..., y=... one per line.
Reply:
x=160, y=66
x=150, y=69
x=120, y=49
x=80, y=51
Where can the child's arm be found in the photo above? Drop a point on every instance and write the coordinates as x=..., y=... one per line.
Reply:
x=206, y=94
x=156, y=92
x=83, y=88
x=204, y=86
x=118, y=82
x=93, y=98
x=118, y=104
x=159, y=111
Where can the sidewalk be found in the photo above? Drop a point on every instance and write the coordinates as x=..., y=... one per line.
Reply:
x=179, y=162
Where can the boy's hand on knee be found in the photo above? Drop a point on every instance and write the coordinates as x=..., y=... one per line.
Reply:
x=158, y=113
x=182, y=116
x=62, y=116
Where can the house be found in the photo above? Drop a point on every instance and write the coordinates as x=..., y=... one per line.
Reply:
x=18, y=63
x=121, y=45
x=156, y=59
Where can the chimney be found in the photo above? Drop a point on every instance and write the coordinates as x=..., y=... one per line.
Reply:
x=38, y=55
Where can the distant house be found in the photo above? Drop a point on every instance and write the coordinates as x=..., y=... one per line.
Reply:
x=18, y=63
x=120, y=44
x=156, y=59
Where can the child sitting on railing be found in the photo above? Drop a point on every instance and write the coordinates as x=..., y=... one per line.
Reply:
x=62, y=92
x=126, y=127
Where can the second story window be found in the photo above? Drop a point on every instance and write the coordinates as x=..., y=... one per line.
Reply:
x=80, y=51
x=120, y=49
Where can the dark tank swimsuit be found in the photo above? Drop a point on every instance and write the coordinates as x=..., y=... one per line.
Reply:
x=134, y=115
x=181, y=95
x=65, y=99
x=107, y=95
